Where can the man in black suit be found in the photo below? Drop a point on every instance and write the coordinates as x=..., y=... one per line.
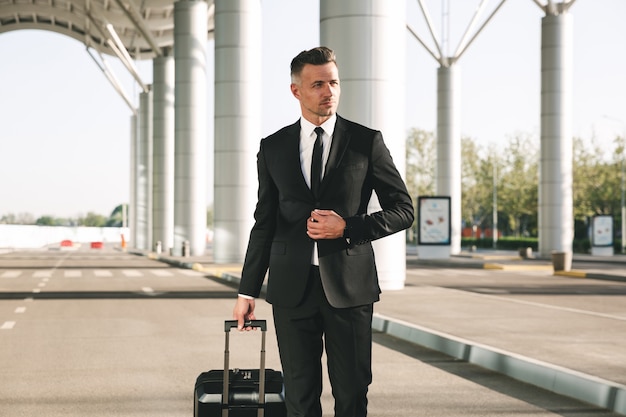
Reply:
x=315, y=238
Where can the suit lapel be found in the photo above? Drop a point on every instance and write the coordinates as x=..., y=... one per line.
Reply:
x=341, y=139
x=292, y=156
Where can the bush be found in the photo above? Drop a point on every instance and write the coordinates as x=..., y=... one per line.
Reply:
x=512, y=243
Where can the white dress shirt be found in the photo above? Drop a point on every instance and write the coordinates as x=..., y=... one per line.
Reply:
x=307, y=142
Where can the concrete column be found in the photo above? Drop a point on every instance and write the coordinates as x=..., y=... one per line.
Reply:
x=449, y=148
x=190, y=180
x=556, y=217
x=163, y=170
x=369, y=38
x=132, y=206
x=237, y=124
x=143, y=212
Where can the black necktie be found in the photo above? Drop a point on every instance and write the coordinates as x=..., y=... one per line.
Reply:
x=316, y=163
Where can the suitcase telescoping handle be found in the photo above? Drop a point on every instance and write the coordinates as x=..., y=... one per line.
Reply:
x=228, y=325
x=261, y=324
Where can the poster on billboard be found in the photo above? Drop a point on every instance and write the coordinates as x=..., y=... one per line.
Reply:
x=602, y=231
x=433, y=219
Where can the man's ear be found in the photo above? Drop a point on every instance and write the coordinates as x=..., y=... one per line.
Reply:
x=295, y=91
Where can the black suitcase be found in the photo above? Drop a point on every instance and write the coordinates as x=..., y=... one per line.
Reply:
x=240, y=392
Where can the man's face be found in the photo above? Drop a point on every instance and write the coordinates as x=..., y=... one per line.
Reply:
x=318, y=92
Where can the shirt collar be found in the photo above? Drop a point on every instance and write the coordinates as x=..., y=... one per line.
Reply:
x=328, y=126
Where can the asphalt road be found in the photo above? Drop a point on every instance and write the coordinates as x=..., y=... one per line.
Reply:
x=107, y=333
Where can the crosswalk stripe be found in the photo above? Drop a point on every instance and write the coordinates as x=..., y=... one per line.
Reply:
x=45, y=275
x=161, y=273
x=7, y=325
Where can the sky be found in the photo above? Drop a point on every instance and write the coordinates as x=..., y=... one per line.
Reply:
x=65, y=132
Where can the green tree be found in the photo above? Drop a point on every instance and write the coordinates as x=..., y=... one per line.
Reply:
x=513, y=172
x=21, y=218
x=92, y=220
x=518, y=192
x=597, y=181
x=476, y=184
x=8, y=219
x=421, y=154
x=46, y=221
x=116, y=219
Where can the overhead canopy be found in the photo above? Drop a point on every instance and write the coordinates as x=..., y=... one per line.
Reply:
x=144, y=28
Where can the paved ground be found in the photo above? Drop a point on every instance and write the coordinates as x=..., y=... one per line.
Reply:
x=108, y=333
x=564, y=331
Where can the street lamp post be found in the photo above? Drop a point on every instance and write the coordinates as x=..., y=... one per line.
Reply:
x=495, y=207
x=623, y=207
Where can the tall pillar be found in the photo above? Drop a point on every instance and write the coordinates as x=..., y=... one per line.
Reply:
x=190, y=181
x=143, y=211
x=449, y=148
x=366, y=36
x=237, y=124
x=163, y=169
x=556, y=216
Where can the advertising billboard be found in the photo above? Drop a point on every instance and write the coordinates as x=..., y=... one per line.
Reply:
x=433, y=219
x=602, y=231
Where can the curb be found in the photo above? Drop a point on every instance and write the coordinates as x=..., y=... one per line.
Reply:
x=518, y=267
x=591, y=275
x=554, y=378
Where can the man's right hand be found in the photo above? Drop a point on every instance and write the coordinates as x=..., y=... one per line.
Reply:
x=244, y=311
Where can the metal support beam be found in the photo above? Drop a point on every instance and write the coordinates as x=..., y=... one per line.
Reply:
x=133, y=15
x=104, y=67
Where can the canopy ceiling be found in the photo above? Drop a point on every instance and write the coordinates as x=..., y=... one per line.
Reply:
x=144, y=27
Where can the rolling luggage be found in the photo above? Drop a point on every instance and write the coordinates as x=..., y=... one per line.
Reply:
x=240, y=392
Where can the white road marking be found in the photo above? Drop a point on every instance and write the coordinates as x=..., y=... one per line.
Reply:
x=42, y=274
x=37, y=290
x=541, y=305
x=131, y=273
x=29, y=299
x=147, y=289
x=11, y=274
x=41, y=284
x=102, y=273
x=20, y=310
x=161, y=273
x=8, y=325
x=73, y=274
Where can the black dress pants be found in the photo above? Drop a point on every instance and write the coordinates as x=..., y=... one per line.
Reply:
x=303, y=332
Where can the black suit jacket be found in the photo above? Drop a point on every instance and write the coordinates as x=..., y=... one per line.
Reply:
x=359, y=163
